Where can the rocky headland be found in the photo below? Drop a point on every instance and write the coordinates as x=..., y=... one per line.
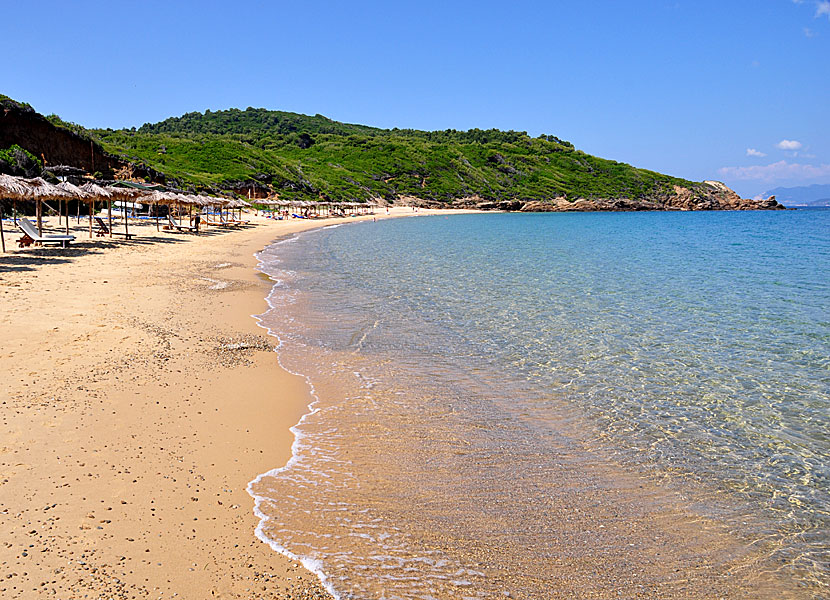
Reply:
x=709, y=195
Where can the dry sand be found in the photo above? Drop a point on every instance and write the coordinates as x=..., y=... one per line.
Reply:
x=139, y=398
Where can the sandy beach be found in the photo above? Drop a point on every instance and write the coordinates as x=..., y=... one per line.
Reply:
x=139, y=398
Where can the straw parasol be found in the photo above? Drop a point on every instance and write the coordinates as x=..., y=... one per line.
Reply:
x=160, y=197
x=13, y=189
x=195, y=200
x=76, y=192
x=40, y=190
x=124, y=194
x=240, y=204
x=96, y=190
x=72, y=189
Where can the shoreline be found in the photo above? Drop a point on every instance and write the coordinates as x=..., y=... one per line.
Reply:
x=140, y=400
x=668, y=519
x=134, y=418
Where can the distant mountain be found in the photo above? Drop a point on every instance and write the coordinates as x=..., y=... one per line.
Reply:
x=805, y=195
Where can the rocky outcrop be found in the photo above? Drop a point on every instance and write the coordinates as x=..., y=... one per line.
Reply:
x=714, y=195
x=709, y=195
x=248, y=188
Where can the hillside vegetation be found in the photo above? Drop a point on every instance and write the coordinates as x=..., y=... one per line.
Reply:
x=313, y=157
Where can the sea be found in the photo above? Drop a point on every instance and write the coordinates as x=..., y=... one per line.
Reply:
x=562, y=405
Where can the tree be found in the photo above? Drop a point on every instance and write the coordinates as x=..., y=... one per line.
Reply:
x=305, y=141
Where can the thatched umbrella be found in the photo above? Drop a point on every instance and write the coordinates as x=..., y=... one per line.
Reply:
x=229, y=205
x=193, y=200
x=76, y=193
x=41, y=190
x=123, y=194
x=204, y=202
x=242, y=204
x=220, y=203
x=88, y=197
x=159, y=197
x=96, y=191
x=13, y=189
x=178, y=201
x=272, y=202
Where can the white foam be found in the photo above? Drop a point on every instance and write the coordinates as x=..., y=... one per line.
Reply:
x=309, y=448
x=311, y=564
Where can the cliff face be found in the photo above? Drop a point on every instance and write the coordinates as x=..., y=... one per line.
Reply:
x=21, y=125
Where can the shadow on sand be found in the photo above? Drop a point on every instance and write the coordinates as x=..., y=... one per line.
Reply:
x=29, y=259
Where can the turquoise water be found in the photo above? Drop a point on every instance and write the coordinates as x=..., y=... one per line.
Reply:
x=474, y=372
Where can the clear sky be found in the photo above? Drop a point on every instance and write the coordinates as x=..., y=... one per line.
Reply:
x=735, y=90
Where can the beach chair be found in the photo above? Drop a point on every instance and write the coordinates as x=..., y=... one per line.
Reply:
x=174, y=225
x=232, y=221
x=220, y=223
x=31, y=235
x=104, y=230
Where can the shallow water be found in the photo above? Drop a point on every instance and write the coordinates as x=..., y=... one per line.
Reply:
x=562, y=405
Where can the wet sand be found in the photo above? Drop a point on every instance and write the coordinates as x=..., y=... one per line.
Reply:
x=139, y=398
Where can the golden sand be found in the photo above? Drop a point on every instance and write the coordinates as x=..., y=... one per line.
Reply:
x=139, y=398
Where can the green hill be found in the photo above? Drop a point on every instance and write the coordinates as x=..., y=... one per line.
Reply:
x=305, y=157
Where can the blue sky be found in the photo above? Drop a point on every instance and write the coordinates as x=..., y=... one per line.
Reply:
x=731, y=90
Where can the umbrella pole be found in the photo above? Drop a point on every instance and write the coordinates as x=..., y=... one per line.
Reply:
x=2, y=238
x=109, y=215
x=66, y=204
x=156, y=210
x=91, y=205
x=39, y=211
x=126, y=226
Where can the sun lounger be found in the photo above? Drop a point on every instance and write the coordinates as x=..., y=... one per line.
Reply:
x=104, y=230
x=220, y=223
x=31, y=236
x=232, y=221
x=174, y=225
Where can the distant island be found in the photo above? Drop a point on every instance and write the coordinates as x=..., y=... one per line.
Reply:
x=261, y=153
x=805, y=195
